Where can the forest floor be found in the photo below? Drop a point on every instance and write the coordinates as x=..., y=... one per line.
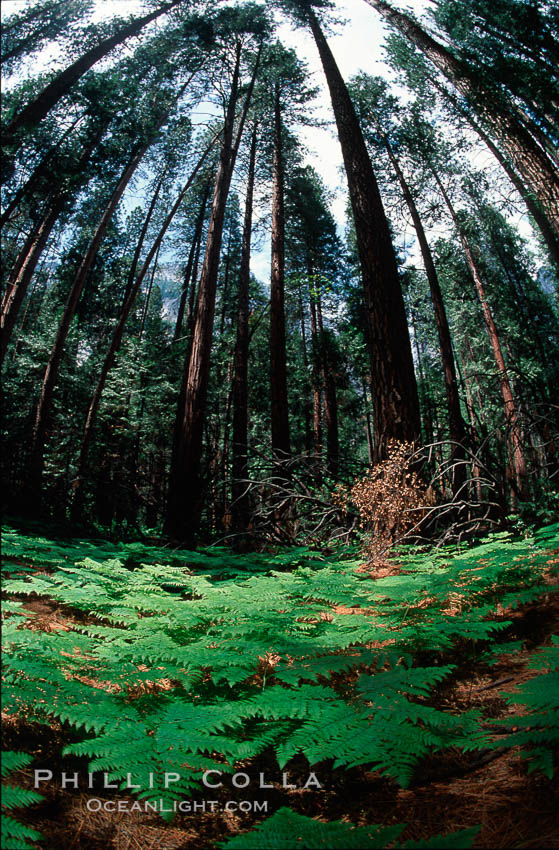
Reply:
x=450, y=791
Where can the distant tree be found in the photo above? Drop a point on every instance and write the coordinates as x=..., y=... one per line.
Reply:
x=240, y=504
x=240, y=28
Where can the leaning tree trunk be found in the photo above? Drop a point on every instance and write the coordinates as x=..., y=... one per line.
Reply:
x=26, y=263
x=42, y=170
x=516, y=450
x=43, y=409
x=23, y=271
x=42, y=414
x=185, y=487
x=39, y=108
x=240, y=501
x=132, y=290
x=527, y=157
x=549, y=236
x=457, y=428
x=278, y=358
x=141, y=240
x=189, y=281
x=395, y=400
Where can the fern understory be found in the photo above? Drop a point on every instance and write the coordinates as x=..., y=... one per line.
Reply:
x=165, y=661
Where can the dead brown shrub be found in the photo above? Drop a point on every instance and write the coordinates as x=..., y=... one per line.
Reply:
x=388, y=500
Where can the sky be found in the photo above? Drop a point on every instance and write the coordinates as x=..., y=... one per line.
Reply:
x=356, y=44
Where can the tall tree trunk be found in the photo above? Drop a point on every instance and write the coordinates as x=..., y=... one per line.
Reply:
x=226, y=281
x=278, y=358
x=423, y=388
x=316, y=387
x=549, y=236
x=193, y=291
x=240, y=501
x=330, y=398
x=39, y=108
x=185, y=487
x=26, y=263
x=23, y=271
x=307, y=412
x=526, y=155
x=147, y=299
x=476, y=471
x=396, y=405
x=189, y=281
x=368, y=429
x=315, y=372
x=132, y=291
x=457, y=428
x=518, y=461
x=42, y=170
x=43, y=409
x=42, y=414
x=141, y=240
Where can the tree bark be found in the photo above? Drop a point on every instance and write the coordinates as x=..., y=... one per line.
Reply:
x=133, y=289
x=526, y=155
x=185, y=487
x=189, y=281
x=549, y=236
x=240, y=501
x=39, y=108
x=278, y=358
x=43, y=409
x=516, y=450
x=396, y=405
x=457, y=428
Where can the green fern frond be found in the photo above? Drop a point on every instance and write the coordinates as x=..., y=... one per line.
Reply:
x=15, y=835
x=287, y=829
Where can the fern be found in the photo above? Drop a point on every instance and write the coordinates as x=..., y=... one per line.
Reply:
x=15, y=835
x=537, y=732
x=287, y=829
x=167, y=671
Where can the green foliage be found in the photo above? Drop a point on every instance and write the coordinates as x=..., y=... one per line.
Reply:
x=537, y=732
x=161, y=670
x=16, y=836
x=287, y=829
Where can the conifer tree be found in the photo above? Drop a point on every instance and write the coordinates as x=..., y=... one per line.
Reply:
x=396, y=404
x=39, y=107
x=185, y=486
x=531, y=161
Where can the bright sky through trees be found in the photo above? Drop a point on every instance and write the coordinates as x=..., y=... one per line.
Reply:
x=357, y=43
